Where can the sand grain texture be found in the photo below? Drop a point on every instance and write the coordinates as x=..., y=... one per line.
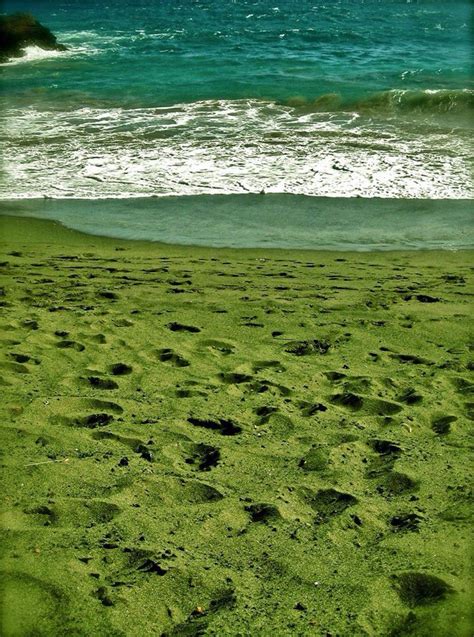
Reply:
x=217, y=442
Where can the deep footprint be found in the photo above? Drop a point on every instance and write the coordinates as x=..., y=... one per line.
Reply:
x=328, y=503
x=120, y=369
x=204, y=456
x=179, y=327
x=420, y=589
x=223, y=426
x=306, y=348
x=102, y=383
x=263, y=512
x=168, y=356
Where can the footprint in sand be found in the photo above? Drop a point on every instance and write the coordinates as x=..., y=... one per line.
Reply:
x=198, y=621
x=120, y=369
x=173, y=490
x=74, y=512
x=410, y=397
x=219, y=347
x=390, y=482
x=144, y=450
x=307, y=348
x=406, y=522
x=16, y=368
x=274, y=365
x=47, y=605
x=101, y=383
x=264, y=413
x=441, y=425
x=411, y=359
x=234, y=378
x=420, y=589
x=67, y=344
x=317, y=459
x=203, y=457
x=223, y=426
x=263, y=512
x=179, y=327
x=328, y=503
x=169, y=356
x=355, y=402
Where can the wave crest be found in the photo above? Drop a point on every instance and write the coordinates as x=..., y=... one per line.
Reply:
x=393, y=101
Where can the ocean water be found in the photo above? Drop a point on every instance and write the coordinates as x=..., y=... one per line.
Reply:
x=171, y=98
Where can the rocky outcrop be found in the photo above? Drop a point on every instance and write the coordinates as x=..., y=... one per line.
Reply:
x=20, y=30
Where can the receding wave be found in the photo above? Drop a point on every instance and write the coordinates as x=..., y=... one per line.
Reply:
x=393, y=101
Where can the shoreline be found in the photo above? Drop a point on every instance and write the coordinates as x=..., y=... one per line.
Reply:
x=232, y=441
x=255, y=221
x=52, y=232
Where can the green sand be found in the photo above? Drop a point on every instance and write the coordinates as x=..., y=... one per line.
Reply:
x=232, y=442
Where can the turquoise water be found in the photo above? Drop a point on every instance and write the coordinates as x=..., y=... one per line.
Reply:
x=148, y=53
x=166, y=98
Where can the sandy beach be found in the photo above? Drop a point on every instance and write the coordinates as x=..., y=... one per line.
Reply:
x=232, y=442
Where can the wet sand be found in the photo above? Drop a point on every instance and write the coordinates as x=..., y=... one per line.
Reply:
x=232, y=442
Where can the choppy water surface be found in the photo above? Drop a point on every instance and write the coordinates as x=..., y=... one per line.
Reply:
x=191, y=97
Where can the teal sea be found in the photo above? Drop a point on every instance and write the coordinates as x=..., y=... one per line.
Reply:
x=187, y=102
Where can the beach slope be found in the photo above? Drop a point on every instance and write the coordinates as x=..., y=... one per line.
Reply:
x=232, y=442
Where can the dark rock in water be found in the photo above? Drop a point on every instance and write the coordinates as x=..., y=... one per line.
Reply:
x=20, y=30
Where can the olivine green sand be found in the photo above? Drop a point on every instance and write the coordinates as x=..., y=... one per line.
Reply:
x=217, y=442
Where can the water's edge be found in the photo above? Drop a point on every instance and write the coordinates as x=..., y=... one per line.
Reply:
x=265, y=221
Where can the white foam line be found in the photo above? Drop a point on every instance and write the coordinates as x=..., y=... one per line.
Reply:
x=227, y=147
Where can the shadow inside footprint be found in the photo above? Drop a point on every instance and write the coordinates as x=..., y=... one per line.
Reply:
x=410, y=397
x=315, y=460
x=223, y=426
x=394, y=483
x=328, y=503
x=406, y=522
x=410, y=358
x=334, y=377
x=420, y=589
x=150, y=566
x=102, y=383
x=234, y=378
x=349, y=400
x=120, y=369
x=309, y=409
x=441, y=425
x=275, y=365
x=179, y=327
x=169, y=356
x=93, y=421
x=305, y=348
x=264, y=413
x=79, y=347
x=195, y=492
x=218, y=346
x=204, y=456
x=386, y=448
x=262, y=512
